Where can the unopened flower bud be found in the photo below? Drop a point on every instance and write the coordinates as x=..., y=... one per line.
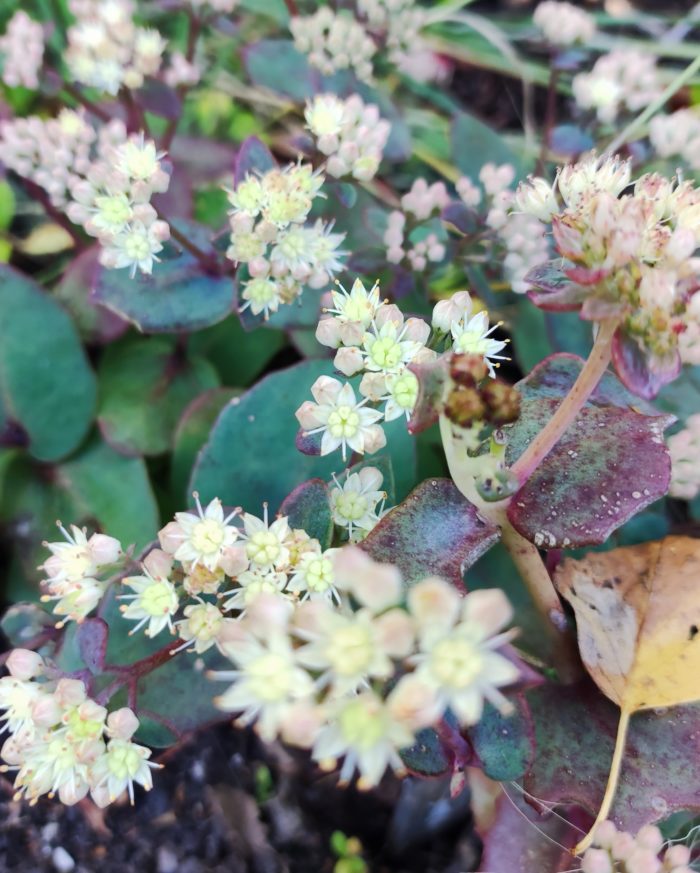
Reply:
x=24, y=664
x=122, y=723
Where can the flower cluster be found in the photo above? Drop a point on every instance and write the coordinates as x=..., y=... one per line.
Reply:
x=74, y=571
x=620, y=852
x=106, y=50
x=100, y=178
x=373, y=338
x=113, y=204
x=677, y=134
x=563, y=23
x=350, y=133
x=22, y=48
x=627, y=255
x=623, y=80
x=270, y=236
x=334, y=41
x=181, y=72
x=418, y=205
x=63, y=742
x=684, y=448
x=320, y=674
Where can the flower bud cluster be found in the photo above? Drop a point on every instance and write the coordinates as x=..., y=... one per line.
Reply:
x=106, y=50
x=616, y=851
x=631, y=253
x=113, y=204
x=350, y=133
x=623, y=80
x=63, y=742
x=419, y=204
x=684, y=448
x=269, y=233
x=677, y=134
x=374, y=339
x=334, y=41
x=473, y=401
x=22, y=48
x=563, y=24
x=75, y=571
x=100, y=178
x=322, y=675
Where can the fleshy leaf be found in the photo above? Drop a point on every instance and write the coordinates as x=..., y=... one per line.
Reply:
x=475, y=143
x=427, y=756
x=553, y=289
x=432, y=378
x=276, y=64
x=179, y=296
x=575, y=729
x=192, y=432
x=609, y=464
x=145, y=385
x=309, y=508
x=643, y=372
x=46, y=384
x=434, y=532
x=505, y=744
x=252, y=156
x=91, y=637
x=569, y=140
x=518, y=839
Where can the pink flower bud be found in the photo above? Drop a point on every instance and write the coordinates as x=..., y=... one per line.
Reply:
x=373, y=386
x=432, y=601
x=171, y=537
x=349, y=361
x=414, y=703
x=596, y=861
x=352, y=333
x=328, y=332
x=104, y=549
x=159, y=563
x=417, y=330
x=46, y=711
x=396, y=633
x=301, y=725
x=675, y=856
x=24, y=664
x=488, y=608
x=122, y=723
x=233, y=560
x=70, y=692
x=389, y=312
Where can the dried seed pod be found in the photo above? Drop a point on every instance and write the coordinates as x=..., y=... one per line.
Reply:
x=468, y=370
x=502, y=402
x=464, y=406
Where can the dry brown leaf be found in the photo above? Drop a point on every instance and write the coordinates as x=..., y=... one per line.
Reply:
x=638, y=622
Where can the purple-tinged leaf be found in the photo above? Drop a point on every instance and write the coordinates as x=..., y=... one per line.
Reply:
x=205, y=160
x=434, y=532
x=554, y=291
x=504, y=744
x=432, y=378
x=641, y=371
x=461, y=217
x=575, y=728
x=92, y=636
x=277, y=65
x=427, y=756
x=253, y=155
x=587, y=275
x=95, y=322
x=521, y=840
x=308, y=507
x=308, y=443
x=180, y=296
x=570, y=141
x=610, y=463
x=159, y=99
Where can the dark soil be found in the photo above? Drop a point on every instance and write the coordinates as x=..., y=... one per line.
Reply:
x=225, y=803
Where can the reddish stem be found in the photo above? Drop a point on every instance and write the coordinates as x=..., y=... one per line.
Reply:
x=129, y=674
x=78, y=96
x=292, y=7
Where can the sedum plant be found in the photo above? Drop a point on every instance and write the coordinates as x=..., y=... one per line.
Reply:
x=246, y=245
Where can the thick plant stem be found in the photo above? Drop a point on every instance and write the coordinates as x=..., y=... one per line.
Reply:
x=613, y=779
x=585, y=385
x=524, y=554
x=539, y=584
